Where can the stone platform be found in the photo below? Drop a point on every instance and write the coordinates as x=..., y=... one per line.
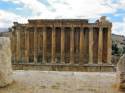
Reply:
x=62, y=82
x=65, y=67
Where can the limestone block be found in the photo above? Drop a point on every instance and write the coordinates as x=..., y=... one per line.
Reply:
x=5, y=62
x=121, y=73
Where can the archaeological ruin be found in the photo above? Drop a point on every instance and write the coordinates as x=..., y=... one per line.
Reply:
x=29, y=81
x=62, y=44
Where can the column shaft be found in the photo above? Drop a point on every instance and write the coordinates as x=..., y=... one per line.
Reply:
x=26, y=45
x=35, y=44
x=91, y=45
x=100, y=45
x=81, y=46
x=44, y=45
x=109, y=46
x=53, y=45
x=62, y=45
x=72, y=46
x=12, y=46
x=17, y=45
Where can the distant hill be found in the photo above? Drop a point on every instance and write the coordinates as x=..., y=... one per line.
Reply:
x=118, y=47
x=119, y=40
x=4, y=32
x=3, y=29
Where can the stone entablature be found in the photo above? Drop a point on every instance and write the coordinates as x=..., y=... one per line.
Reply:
x=62, y=41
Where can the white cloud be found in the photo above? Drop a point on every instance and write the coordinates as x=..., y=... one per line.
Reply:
x=123, y=26
x=34, y=5
x=67, y=8
x=119, y=28
x=19, y=8
x=13, y=1
x=91, y=9
x=7, y=18
x=78, y=8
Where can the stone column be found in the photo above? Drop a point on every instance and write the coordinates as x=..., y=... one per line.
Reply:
x=26, y=45
x=5, y=62
x=109, y=46
x=81, y=46
x=53, y=45
x=100, y=45
x=35, y=44
x=12, y=45
x=91, y=45
x=62, y=45
x=44, y=45
x=17, y=44
x=72, y=45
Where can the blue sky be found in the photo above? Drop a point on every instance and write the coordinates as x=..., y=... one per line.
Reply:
x=22, y=10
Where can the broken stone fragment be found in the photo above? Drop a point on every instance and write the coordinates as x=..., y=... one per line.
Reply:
x=5, y=62
x=121, y=73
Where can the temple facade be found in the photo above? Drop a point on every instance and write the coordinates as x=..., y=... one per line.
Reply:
x=65, y=42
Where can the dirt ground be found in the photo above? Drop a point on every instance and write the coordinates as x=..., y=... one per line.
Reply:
x=61, y=82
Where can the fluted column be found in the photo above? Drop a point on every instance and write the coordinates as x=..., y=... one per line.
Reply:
x=44, y=45
x=81, y=46
x=100, y=45
x=72, y=45
x=26, y=45
x=62, y=45
x=91, y=45
x=109, y=45
x=35, y=44
x=17, y=44
x=12, y=45
x=53, y=45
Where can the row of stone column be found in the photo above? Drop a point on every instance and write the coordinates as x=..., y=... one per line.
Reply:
x=81, y=45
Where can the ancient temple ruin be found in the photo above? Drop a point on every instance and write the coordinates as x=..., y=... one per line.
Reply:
x=62, y=44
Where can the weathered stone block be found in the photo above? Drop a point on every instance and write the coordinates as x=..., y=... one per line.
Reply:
x=5, y=62
x=121, y=73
